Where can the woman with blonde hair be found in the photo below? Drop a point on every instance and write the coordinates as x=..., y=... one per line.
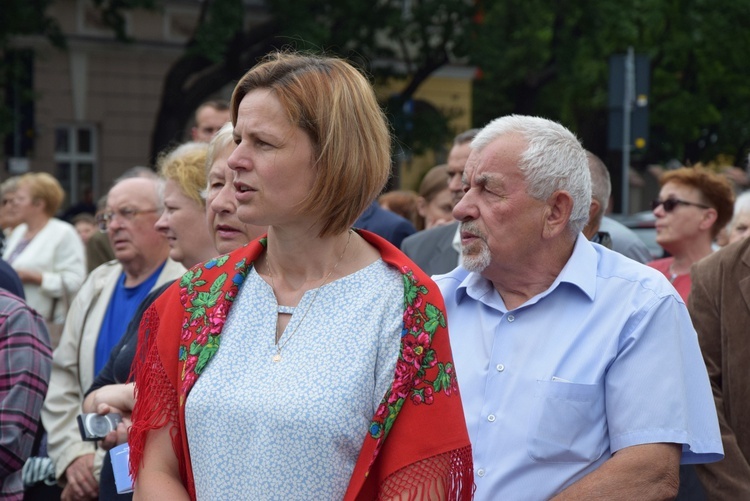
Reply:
x=313, y=363
x=184, y=173
x=46, y=252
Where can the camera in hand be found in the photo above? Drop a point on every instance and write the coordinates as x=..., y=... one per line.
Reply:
x=94, y=426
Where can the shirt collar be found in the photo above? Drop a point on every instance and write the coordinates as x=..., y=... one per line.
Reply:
x=579, y=271
x=456, y=243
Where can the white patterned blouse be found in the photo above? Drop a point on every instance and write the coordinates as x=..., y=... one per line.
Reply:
x=259, y=429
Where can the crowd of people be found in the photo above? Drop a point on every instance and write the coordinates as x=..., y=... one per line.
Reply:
x=266, y=324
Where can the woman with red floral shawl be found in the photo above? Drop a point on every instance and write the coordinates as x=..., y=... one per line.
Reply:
x=334, y=378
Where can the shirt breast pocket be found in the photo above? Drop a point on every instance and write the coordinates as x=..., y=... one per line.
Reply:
x=567, y=423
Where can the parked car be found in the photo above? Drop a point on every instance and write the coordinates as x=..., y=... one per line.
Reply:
x=643, y=224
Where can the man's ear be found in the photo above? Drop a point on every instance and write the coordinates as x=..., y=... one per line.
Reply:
x=594, y=209
x=557, y=214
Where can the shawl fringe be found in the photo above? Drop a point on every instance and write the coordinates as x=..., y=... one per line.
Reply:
x=153, y=387
x=448, y=476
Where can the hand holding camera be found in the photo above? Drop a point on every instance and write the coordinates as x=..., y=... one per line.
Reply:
x=95, y=426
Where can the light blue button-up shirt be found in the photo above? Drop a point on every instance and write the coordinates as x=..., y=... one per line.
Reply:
x=606, y=358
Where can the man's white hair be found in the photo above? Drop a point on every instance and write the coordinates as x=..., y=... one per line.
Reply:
x=553, y=160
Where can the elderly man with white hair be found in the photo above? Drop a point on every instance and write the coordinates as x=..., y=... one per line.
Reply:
x=574, y=362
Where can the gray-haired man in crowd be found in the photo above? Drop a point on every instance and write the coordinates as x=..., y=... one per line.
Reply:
x=97, y=319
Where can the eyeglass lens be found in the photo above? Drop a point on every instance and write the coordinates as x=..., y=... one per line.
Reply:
x=669, y=204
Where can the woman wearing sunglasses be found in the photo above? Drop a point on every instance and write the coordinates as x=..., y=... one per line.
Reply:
x=694, y=204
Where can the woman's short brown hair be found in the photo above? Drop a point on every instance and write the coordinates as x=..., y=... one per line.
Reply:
x=46, y=188
x=716, y=191
x=335, y=105
x=186, y=166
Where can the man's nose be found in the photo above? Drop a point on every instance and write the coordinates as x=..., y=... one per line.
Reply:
x=465, y=209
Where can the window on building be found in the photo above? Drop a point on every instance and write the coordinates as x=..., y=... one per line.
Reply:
x=17, y=73
x=76, y=148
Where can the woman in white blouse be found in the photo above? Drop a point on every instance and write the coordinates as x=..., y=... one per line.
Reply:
x=47, y=253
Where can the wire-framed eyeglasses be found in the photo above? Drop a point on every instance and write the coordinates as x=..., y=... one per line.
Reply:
x=124, y=214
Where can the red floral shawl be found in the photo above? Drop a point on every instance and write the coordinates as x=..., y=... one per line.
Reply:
x=417, y=441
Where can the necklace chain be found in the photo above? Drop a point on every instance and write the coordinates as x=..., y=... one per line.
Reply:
x=279, y=347
x=672, y=273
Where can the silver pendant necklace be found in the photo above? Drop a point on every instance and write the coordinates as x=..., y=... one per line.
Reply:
x=279, y=347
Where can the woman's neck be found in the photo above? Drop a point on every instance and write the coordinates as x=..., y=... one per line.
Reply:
x=685, y=258
x=35, y=224
x=298, y=258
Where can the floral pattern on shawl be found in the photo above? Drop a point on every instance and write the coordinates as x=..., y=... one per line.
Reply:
x=419, y=373
x=205, y=315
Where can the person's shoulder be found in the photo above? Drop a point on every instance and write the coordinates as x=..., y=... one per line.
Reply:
x=450, y=280
x=103, y=274
x=614, y=266
x=60, y=225
x=625, y=240
x=11, y=306
x=9, y=280
x=233, y=260
x=112, y=266
x=19, y=231
x=392, y=219
x=660, y=264
x=172, y=269
x=64, y=233
x=609, y=225
x=436, y=233
x=729, y=257
x=10, y=302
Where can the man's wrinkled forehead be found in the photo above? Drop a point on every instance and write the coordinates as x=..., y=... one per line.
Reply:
x=506, y=150
x=471, y=166
x=137, y=192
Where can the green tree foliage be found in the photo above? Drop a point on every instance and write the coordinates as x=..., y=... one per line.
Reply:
x=537, y=57
x=409, y=39
x=550, y=59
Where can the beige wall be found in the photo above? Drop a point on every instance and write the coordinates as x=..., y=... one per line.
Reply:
x=121, y=90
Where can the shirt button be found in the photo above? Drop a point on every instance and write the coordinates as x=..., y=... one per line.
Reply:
x=480, y=472
x=511, y=318
x=491, y=418
x=500, y=367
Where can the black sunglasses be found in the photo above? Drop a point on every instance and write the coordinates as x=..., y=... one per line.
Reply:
x=670, y=204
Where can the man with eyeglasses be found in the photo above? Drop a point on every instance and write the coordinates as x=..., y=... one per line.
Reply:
x=97, y=319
